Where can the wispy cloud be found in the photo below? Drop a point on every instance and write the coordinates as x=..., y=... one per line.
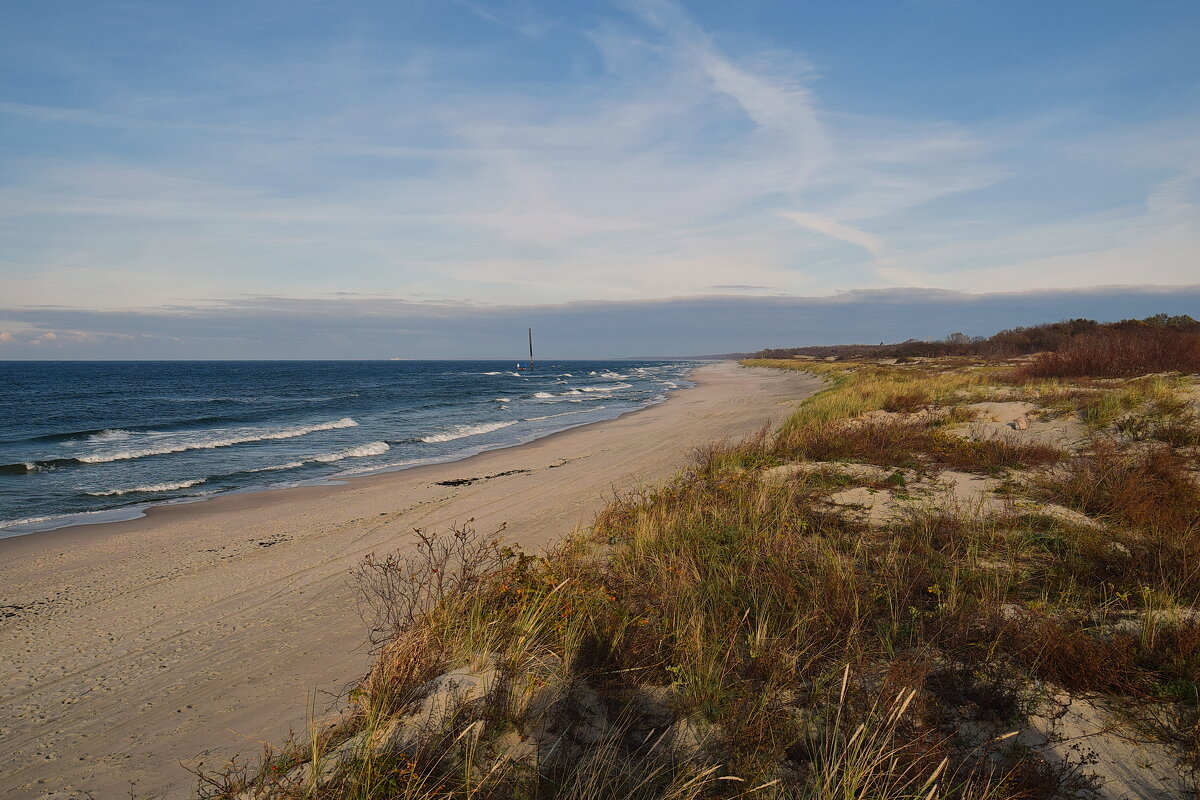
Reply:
x=530, y=153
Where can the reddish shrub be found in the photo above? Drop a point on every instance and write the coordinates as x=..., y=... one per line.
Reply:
x=1120, y=352
x=1150, y=488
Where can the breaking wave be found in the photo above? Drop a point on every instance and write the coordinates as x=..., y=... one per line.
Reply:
x=154, y=487
x=218, y=438
x=362, y=451
x=564, y=414
x=463, y=431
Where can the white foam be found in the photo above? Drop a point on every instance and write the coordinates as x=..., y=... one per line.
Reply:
x=503, y=400
x=154, y=487
x=463, y=431
x=564, y=413
x=15, y=524
x=347, y=473
x=610, y=387
x=273, y=468
x=491, y=373
x=362, y=451
x=110, y=435
x=544, y=395
x=226, y=437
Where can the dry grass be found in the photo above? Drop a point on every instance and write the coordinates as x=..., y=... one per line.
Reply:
x=818, y=656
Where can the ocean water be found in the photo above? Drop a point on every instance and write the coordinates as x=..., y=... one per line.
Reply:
x=96, y=441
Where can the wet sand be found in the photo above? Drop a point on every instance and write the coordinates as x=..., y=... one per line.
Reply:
x=201, y=631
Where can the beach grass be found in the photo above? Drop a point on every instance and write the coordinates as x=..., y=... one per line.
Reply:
x=745, y=631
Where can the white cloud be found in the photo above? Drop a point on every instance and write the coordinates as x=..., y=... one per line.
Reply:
x=829, y=226
x=679, y=162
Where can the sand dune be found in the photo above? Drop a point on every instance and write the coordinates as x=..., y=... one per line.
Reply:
x=199, y=631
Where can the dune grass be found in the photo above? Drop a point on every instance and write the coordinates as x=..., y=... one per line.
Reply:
x=724, y=635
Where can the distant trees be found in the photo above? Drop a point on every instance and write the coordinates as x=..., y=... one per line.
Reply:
x=1050, y=337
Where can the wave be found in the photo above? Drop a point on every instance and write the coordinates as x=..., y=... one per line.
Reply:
x=109, y=435
x=610, y=387
x=11, y=524
x=349, y=473
x=564, y=413
x=231, y=437
x=221, y=441
x=463, y=431
x=277, y=467
x=361, y=451
x=543, y=395
x=503, y=400
x=43, y=465
x=154, y=487
x=70, y=437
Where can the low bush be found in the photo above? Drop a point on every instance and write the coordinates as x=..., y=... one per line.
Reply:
x=1148, y=487
x=1121, y=352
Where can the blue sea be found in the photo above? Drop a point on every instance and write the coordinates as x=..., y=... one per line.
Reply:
x=98, y=441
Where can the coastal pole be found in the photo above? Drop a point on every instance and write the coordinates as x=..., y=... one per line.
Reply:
x=531, y=347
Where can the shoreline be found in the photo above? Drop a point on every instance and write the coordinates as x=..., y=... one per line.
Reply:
x=143, y=511
x=197, y=632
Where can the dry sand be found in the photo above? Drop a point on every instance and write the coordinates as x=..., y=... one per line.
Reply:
x=199, y=631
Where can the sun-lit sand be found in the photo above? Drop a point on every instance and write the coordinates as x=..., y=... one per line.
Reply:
x=202, y=631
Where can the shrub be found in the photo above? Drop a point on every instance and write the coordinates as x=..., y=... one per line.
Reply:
x=1120, y=352
x=1147, y=487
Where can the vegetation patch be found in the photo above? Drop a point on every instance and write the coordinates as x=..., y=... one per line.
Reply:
x=734, y=634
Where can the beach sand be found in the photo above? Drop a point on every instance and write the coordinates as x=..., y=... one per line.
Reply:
x=201, y=631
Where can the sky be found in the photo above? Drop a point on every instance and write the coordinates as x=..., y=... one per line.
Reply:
x=427, y=178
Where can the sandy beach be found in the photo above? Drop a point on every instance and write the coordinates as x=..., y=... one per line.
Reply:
x=129, y=650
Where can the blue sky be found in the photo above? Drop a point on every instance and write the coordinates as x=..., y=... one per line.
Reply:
x=183, y=179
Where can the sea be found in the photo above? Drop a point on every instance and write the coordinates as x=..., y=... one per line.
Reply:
x=85, y=442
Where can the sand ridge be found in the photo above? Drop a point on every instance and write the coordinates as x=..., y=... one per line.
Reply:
x=133, y=647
